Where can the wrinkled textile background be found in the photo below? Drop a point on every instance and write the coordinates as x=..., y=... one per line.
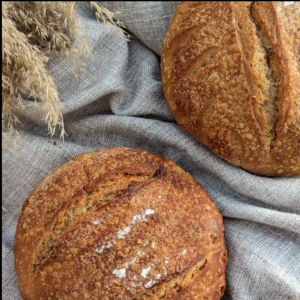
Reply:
x=119, y=102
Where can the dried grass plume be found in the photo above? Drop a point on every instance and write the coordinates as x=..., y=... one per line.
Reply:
x=31, y=32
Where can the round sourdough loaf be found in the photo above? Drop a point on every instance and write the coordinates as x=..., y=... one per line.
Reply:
x=120, y=223
x=231, y=76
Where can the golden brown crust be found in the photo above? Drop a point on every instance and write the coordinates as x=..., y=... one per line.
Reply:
x=230, y=73
x=120, y=223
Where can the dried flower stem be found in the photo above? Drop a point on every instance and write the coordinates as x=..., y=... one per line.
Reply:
x=31, y=31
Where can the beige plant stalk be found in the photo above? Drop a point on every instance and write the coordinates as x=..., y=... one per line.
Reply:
x=31, y=32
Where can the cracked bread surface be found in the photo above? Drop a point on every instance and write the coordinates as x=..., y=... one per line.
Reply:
x=120, y=223
x=231, y=76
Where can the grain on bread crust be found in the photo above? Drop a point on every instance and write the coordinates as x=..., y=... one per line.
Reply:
x=120, y=223
x=231, y=76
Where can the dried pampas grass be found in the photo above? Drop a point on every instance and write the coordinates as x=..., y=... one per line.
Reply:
x=31, y=32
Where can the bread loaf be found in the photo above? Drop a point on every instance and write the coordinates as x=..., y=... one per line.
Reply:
x=231, y=76
x=120, y=223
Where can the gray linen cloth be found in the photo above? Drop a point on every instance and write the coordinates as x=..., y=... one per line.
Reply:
x=119, y=102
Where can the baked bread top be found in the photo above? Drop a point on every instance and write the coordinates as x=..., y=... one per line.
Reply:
x=120, y=223
x=231, y=76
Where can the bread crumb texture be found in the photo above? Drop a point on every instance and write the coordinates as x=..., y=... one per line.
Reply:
x=120, y=223
x=231, y=76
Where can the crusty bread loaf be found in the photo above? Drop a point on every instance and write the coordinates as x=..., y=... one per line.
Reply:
x=120, y=223
x=231, y=76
